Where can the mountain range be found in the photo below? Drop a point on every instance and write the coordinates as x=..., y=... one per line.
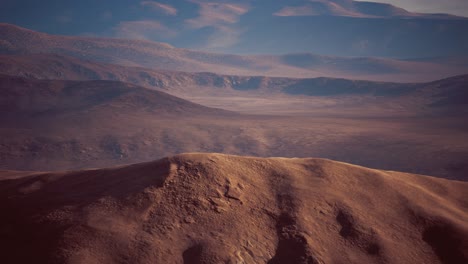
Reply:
x=153, y=55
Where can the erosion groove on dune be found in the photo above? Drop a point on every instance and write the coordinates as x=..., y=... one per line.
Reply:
x=292, y=246
x=446, y=242
x=193, y=255
x=445, y=238
x=358, y=236
x=213, y=208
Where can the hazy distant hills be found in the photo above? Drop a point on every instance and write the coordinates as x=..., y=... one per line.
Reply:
x=61, y=67
x=214, y=208
x=137, y=53
x=56, y=124
x=187, y=84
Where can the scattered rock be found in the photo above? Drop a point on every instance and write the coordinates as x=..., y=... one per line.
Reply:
x=233, y=193
x=189, y=220
x=219, y=209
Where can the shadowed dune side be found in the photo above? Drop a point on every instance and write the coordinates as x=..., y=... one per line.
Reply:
x=213, y=208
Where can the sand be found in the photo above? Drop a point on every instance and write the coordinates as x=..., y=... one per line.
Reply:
x=214, y=208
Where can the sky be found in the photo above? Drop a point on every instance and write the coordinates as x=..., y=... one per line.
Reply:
x=182, y=23
x=455, y=7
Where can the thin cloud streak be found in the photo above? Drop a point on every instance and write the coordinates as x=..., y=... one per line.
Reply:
x=106, y=15
x=143, y=29
x=160, y=7
x=223, y=37
x=222, y=17
x=217, y=14
x=296, y=11
x=64, y=19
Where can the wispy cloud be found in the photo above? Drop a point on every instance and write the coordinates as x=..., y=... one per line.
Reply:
x=64, y=19
x=322, y=7
x=223, y=37
x=222, y=17
x=296, y=11
x=106, y=15
x=143, y=29
x=160, y=7
x=361, y=45
x=217, y=14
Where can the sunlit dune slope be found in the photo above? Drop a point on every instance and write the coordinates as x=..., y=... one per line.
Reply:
x=213, y=208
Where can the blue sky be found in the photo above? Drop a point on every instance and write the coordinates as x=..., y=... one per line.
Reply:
x=100, y=16
x=199, y=24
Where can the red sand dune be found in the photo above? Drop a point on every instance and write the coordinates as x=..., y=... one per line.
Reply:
x=213, y=208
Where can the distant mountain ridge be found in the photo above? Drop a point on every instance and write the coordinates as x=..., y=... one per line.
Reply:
x=349, y=28
x=188, y=84
x=16, y=41
x=359, y=9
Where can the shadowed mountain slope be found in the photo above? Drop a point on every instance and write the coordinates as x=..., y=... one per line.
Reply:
x=29, y=98
x=212, y=208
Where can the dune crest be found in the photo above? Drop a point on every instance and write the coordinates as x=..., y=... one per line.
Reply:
x=214, y=208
